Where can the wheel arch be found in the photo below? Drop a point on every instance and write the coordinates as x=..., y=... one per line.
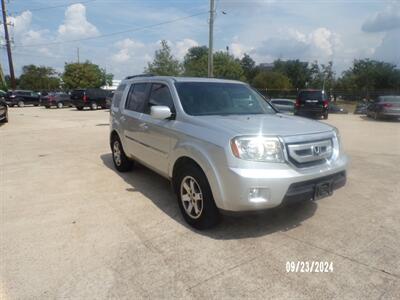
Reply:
x=199, y=158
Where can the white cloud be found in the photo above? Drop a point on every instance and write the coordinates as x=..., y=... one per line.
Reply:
x=75, y=24
x=127, y=49
x=320, y=44
x=180, y=48
x=238, y=50
x=389, y=49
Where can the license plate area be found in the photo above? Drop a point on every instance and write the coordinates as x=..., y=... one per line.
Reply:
x=322, y=190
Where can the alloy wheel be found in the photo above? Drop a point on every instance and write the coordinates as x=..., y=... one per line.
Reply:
x=191, y=197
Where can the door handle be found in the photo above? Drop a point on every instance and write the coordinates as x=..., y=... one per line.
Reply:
x=144, y=126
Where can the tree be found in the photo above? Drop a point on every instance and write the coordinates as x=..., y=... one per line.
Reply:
x=39, y=78
x=248, y=66
x=164, y=62
x=271, y=80
x=85, y=75
x=225, y=65
x=297, y=71
x=195, y=62
x=322, y=76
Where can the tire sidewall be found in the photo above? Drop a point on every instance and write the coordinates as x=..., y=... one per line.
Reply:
x=126, y=164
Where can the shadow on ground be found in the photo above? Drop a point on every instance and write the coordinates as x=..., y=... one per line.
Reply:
x=390, y=120
x=158, y=190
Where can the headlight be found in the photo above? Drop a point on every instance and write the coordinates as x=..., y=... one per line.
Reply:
x=337, y=144
x=258, y=148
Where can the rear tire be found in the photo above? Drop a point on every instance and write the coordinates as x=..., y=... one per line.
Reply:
x=195, y=198
x=121, y=162
x=21, y=103
x=60, y=105
x=79, y=107
x=93, y=106
x=47, y=106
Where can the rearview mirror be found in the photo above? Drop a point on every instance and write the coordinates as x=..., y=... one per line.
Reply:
x=160, y=112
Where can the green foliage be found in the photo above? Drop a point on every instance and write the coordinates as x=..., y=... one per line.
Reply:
x=195, y=62
x=248, y=66
x=297, y=71
x=322, y=76
x=366, y=75
x=271, y=80
x=85, y=75
x=38, y=78
x=225, y=65
x=164, y=63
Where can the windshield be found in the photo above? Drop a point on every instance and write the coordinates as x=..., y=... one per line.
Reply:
x=216, y=98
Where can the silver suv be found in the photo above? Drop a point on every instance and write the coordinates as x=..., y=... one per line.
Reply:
x=222, y=145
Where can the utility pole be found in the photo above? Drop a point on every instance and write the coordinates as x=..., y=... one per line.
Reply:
x=77, y=53
x=8, y=45
x=210, y=40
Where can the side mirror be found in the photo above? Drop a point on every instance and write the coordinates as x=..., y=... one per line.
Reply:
x=160, y=112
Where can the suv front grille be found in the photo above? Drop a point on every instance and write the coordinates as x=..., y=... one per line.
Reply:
x=310, y=153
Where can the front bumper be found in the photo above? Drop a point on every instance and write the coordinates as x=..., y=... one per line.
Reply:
x=283, y=184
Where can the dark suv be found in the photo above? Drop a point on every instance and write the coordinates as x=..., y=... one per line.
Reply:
x=22, y=97
x=312, y=103
x=91, y=97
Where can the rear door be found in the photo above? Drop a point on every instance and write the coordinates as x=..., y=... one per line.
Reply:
x=131, y=111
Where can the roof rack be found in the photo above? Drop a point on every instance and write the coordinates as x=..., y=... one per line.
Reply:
x=140, y=75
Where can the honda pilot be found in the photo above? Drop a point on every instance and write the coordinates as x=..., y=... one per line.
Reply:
x=223, y=147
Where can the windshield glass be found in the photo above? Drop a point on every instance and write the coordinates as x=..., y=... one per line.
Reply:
x=216, y=98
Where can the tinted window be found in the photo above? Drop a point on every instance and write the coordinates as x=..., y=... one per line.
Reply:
x=311, y=95
x=116, y=100
x=215, y=98
x=160, y=95
x=136, y=97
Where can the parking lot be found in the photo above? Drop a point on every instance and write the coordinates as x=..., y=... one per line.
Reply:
x=72, y=227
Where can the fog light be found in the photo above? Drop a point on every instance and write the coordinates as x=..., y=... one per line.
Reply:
x=258, y=195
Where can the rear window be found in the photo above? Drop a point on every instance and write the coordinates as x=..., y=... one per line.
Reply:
x=116, y=100
x=311, y=95
x=77, y=94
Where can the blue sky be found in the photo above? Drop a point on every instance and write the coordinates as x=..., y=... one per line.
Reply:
x=322, y=30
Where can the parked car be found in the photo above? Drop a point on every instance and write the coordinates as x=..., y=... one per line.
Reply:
x=384, y=107
x=334, y=109
x=58, y=100
x=91, y=97
x=361, y=107
x=3, y=111
x=222, y=146
x=109, y=98
x=22, y=98
x=283, y=105
x=312, y=103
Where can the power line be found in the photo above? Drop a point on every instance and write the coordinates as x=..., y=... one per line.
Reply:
x=52, y=7
x=113, y=33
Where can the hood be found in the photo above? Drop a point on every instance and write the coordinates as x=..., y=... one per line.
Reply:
x=277, y=124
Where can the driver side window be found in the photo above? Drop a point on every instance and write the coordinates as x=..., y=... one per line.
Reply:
x=160, y=95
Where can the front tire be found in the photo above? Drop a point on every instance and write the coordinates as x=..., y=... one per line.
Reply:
x=60, y=105
x=121, y=162
x=79, y=107
x=195, y=198
x=21, y=104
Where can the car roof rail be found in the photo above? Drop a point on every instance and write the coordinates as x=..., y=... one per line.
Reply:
x=139, y=75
